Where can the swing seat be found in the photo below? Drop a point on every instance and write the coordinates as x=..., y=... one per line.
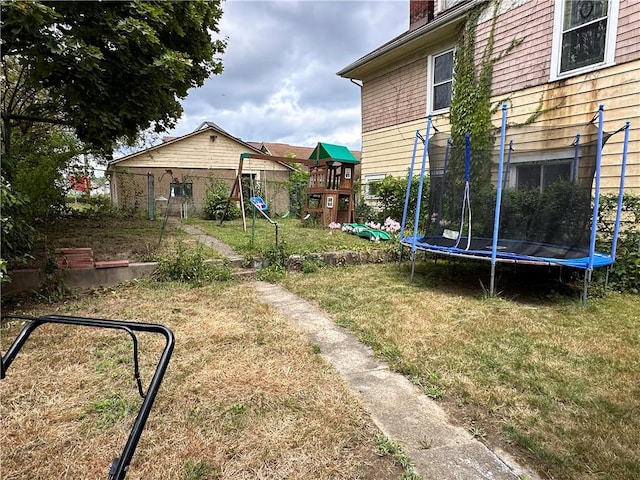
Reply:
x=259, y=203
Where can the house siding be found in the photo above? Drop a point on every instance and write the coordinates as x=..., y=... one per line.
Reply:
x=195, y=159
x=529, y=63
x=521, y=79
x=573, y=101
x=628, y=32
x=395, y=97
x=199, y=151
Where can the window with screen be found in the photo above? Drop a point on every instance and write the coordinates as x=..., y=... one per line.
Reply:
x=584, y=35
x=540, y=176
x=441, y=80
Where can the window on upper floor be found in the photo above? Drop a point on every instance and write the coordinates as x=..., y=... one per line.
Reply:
x=443, y=5
x=440, y=81
x=584, y=36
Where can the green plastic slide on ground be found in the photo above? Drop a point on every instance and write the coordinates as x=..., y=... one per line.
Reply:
x=365, y=231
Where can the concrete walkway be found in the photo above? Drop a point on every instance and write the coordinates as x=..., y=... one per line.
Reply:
x=438, y=450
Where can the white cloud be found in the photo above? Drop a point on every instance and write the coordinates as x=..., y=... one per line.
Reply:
x=279, y=82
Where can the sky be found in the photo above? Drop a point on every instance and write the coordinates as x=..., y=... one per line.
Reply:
x=279, y=82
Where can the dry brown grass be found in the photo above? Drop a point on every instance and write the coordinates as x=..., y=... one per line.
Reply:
x=245, y=396
x=110, y=237
x=533, y=371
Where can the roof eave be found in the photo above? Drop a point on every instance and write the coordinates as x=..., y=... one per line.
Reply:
x=198, y=131
x=408, y=42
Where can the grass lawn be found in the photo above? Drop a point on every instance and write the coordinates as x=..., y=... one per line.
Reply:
x=297, y=238
x=245, y=396
x=110, y=237
x=533, y=371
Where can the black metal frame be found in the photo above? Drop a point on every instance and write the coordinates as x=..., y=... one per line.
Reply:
x=120, y=465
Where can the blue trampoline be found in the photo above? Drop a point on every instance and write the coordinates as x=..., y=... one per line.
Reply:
x=540, y=209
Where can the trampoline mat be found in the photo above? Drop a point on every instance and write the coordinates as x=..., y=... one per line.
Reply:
x=483, y=246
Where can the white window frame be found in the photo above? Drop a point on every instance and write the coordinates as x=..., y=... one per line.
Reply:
x=443, y=5
x=431, y=84
x=551, y=158
x=329, y=202
x=556, y=46
x=369, y=179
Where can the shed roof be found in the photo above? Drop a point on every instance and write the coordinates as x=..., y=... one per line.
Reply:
x=328, y=151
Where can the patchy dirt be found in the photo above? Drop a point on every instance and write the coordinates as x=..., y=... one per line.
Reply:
x=134, y=239
x=382, y=468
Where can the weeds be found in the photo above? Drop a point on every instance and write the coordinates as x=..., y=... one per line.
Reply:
x=53, y=287
x=275, y=259
x=387, y=447
x=110, y=410
x=199, y=470
x=431, y=385
x=187, y=265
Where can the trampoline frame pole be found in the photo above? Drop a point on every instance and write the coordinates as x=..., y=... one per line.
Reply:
x=506, y=171
x=419, y=199
x=596, y=200
x=496, y=217
x=407, y=194
x=576, y=156
x=623, y=169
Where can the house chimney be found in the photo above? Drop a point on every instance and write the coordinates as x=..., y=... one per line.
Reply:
x=420, y=12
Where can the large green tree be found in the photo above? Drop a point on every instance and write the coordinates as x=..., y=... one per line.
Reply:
x=107, y=69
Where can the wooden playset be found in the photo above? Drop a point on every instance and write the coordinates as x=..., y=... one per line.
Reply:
x=330, y=194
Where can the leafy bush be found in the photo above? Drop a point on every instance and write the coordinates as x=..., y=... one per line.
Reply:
x=100, y=206
x=364, y=212
x=189, y=266
x=391, y=196
x=52, y=287
x=297, y=185
x=276, y=259
x=561, y=214
x=625, y=272
x=391, y=192
x=17, y=233
x=215, y=201
x=41, y=156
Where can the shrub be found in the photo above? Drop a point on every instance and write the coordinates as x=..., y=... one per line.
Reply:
x=17, y=233
x=625, y=272
x=391, y=196
x=364, y=212
x=189, y=266
x=276, y=259
x=215, y=201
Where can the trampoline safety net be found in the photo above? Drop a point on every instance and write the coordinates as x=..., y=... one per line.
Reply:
x=546, y=206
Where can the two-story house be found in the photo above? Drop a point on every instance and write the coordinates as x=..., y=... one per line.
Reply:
x=566, y=57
